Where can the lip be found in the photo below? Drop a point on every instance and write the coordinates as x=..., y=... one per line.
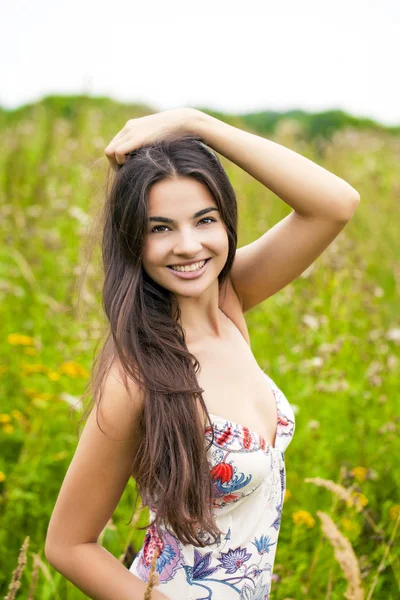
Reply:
x=191, y=274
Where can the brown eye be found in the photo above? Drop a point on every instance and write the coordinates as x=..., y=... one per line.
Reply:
x=154, y=230
x=208, y=219
x=157, y=227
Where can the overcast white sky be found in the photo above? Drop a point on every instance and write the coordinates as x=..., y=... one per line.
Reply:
x=230, y=55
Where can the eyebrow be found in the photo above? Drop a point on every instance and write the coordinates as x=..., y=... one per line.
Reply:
x=203, y=211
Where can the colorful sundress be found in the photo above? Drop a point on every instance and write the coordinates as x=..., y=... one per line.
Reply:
x=249, y=482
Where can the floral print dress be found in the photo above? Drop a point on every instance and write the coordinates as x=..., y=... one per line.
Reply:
x=249, y=482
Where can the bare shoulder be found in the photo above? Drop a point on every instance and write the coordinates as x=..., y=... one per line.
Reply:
x=121, y=402
x=100, y=468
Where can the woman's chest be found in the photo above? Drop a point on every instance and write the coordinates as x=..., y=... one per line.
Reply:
x=234, y=385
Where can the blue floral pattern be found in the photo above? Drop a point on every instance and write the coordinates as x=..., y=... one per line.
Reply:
x=249, y=482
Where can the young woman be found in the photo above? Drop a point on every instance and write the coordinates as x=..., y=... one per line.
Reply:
x=181, y=404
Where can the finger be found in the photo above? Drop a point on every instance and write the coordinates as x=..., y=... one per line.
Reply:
x=113, y=155
x=115, y=151
x=121, y=152
x=117, y=161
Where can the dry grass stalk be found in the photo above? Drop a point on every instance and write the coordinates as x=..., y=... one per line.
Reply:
x=45, y=570
x=342, y=474
x=344, y=494
x=17, y=573
x=35, y=573
x=336, y=488
x=345, y=556
x=153, y=577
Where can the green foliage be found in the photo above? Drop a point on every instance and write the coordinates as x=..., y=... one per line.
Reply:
x=321, y=125
x=330, y=339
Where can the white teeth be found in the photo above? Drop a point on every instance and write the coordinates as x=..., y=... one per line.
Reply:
x=193, y=267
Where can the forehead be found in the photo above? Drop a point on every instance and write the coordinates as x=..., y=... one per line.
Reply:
x=172, y=196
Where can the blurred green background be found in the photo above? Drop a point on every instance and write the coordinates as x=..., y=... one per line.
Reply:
x=330, y=340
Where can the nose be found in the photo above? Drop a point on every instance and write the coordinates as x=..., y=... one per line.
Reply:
x=188, y=244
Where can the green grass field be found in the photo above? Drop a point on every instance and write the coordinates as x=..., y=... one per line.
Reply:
x=330, y=340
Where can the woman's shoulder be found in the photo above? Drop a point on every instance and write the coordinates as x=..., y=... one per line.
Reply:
x=122, y=398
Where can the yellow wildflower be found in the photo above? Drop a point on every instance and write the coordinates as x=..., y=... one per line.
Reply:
x=31, y=351
x=44, y=395
x=32, y=393
x=4, y=418
x=347, y=524
x=360, y=473
x=288, y=494
x=357, y=500
x=303, y=517
x=18, y=339
x=394, y=511
x=8, y=428
x=72, y=369
x=37, y=368
x=2, y=476
x=350, y=526
x=17, y=414
x=53, y=375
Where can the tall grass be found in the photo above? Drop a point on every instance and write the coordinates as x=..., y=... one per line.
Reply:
x=330, y=340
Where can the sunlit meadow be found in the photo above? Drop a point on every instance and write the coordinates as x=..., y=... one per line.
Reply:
x=330, y=340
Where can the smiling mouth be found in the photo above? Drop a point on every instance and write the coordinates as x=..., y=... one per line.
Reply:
x=193, y=263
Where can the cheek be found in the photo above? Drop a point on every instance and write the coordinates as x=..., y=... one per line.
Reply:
x=149, y=254
x=221, y=242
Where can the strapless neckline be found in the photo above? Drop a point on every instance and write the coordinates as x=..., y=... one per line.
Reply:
x=260, y=438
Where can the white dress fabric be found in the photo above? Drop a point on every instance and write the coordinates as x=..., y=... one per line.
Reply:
x=249, y=482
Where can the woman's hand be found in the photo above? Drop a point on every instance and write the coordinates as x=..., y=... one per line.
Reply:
x=145, y=130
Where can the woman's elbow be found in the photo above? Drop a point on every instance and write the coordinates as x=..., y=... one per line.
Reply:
x=49, y=552
x=53, y=552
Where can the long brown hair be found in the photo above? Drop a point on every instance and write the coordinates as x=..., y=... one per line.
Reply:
x=171, y=467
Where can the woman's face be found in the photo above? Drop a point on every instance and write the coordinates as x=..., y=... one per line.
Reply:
x=175, y=235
